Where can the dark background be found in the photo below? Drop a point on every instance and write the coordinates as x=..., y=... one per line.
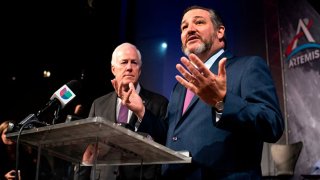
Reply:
x=74, y=39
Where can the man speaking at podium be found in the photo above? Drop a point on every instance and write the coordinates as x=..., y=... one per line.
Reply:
x=222, y=109
x=126, y=67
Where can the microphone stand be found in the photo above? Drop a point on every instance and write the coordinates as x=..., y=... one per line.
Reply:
x=29, y=120
x=27, y=123
x=56, y=114
x=49, y=104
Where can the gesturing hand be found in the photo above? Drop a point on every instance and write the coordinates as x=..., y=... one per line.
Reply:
x=210, y=87
x=129, y=97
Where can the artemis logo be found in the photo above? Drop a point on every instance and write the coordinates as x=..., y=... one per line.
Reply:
x=309, y=51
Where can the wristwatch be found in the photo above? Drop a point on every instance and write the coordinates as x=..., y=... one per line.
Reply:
x=219, y=106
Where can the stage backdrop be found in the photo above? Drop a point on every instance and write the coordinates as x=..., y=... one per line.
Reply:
x=300, y=45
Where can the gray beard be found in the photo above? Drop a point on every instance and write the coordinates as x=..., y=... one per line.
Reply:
x=197, y=51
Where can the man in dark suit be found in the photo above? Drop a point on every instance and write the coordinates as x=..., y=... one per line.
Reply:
x=233, y=106
x=126, y=67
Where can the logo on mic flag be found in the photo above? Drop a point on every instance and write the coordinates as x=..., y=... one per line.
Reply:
x=64, y=95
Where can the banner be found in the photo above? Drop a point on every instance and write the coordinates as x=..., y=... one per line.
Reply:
x=300, y=46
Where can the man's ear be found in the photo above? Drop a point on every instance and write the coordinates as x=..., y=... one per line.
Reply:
x=112, y=70
x=220, y=32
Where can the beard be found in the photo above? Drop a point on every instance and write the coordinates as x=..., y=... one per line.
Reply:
x=204, y=46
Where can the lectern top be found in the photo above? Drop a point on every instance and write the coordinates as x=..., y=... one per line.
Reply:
x=117, y=145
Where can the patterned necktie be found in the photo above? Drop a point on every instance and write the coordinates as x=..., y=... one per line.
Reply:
x=187, y=100
x=123, y=114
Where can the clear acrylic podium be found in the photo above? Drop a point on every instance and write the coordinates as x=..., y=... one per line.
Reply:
x=117, y=145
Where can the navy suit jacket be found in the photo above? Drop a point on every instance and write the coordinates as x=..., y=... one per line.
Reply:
x=105, y=106
x=232, y=147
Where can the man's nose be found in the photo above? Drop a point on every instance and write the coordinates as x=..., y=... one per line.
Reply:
x=190, y=26
x=191, y=29
x=129, y=65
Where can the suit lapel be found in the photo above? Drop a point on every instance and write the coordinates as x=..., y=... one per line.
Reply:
x=111, y=112
x=145, y=100
x=144, y=96
x=215, y=66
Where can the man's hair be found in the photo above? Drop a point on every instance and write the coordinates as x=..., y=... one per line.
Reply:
x=113, y=59
x=214, y=16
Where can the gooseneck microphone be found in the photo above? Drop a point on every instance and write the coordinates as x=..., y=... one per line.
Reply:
x=59, y=99
x=63, y=96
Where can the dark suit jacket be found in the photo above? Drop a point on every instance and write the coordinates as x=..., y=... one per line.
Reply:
x=105, y=106
x=232, y=147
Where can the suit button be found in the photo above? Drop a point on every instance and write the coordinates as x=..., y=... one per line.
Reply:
x=174, y=138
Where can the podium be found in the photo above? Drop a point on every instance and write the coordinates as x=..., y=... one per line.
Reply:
x=116, y=144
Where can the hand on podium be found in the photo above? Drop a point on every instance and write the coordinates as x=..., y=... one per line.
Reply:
x=11, y=175
x=90, y=154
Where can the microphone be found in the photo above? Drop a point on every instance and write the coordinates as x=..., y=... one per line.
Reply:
x=66, y=93
x=60, y=98
x=26, y=123
x=63, y=95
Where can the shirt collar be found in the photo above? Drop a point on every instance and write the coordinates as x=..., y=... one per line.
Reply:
x=213, y=59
